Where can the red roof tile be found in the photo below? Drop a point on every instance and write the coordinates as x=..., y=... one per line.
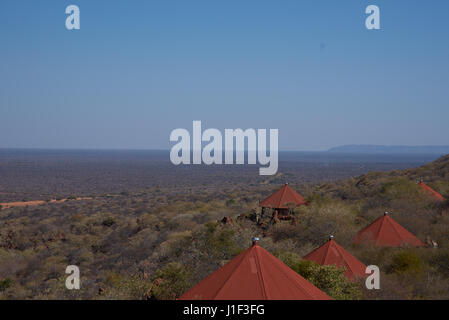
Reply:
x=430, y=191
x=255, y=274
x=282, y=197
x=331, y=253
x=387, y=232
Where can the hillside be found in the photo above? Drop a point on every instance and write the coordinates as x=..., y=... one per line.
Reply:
x=383, y=149
x=434, y=174
x=157, y=243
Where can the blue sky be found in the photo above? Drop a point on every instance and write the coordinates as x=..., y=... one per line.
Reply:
x=138, y=69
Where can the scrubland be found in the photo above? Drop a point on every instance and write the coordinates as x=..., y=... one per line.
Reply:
x=156, y=241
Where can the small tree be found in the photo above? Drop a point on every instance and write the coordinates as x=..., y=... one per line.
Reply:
x=170, y=282
x=5, y=284
x=108, y=222
x=406, y=262
x=329, y=278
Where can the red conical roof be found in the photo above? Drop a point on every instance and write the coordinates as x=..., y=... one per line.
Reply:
x=331, y=253
x=387, y=232
x=282, y=197
x=430, y=191
x=255, y=274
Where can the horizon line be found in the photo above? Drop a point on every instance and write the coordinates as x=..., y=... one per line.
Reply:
x=168, y=149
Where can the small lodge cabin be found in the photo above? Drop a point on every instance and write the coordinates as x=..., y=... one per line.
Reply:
x=429, y=191
x=331, y=253
x=255, y=274
x=282, y=202
x=386, y=232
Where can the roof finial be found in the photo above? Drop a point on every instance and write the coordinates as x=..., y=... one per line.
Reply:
x=331, y=237
x=386, y=213
x=255, y=241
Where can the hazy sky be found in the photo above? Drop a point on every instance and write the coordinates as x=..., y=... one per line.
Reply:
x=138, y=69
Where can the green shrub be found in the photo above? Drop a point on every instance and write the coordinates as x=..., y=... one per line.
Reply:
x=119, y=286
x=218, y=242
x=320, y=219
x=108, y=222
x=5, y=284
x=170, y=282
x=328, y=278
x=400, y=188
x=406, y=262
x=318, y=199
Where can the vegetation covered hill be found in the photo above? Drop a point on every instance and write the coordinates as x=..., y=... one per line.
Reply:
x=395, y=149
x=156, y=243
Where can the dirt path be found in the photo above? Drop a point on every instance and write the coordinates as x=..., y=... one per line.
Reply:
x=7, y=205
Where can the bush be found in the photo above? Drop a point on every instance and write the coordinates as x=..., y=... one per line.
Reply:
x=406, y=262
x=318, y=220
x=5, y=284
x=170, y=282
x=108, y=222
x=120, y=286
x=218, y=242
x=328, y=278
x=441, y=261
x=400, y=188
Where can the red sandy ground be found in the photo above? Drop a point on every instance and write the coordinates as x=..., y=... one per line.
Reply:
x=7, y=205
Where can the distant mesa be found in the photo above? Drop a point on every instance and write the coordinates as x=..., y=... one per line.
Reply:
x=384, y=149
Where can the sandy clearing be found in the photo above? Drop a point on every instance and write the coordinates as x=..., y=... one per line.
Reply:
x=7, y=205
